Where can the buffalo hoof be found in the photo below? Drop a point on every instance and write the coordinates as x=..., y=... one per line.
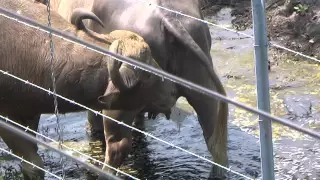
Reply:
x=138, y=122
x=105, y=178
x=217, y=174
x=35, y=175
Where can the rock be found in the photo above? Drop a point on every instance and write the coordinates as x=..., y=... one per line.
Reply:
x=313, y=28
x=299, y=107
x=252, y=172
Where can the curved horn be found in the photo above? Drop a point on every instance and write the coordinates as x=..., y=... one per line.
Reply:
x=123, y=76
x=79, y=14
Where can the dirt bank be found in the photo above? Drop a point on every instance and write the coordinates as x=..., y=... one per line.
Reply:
x=294, y=24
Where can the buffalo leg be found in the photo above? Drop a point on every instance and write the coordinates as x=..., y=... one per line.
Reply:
x=95, y=126
x=214, y=130
x=118, y=137
x=138, y=120
x=24, y=148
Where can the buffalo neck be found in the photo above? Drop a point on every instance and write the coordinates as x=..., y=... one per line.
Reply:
x=83, y=71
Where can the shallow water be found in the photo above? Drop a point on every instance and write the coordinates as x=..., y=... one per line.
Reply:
x=293, y=95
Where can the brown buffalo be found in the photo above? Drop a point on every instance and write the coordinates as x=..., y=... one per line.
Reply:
x=82, y=75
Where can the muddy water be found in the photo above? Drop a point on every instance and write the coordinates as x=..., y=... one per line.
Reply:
x=293, y=95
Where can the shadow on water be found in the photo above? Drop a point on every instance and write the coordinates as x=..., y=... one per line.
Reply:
x=294, y=95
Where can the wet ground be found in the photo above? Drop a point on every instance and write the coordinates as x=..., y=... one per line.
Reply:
x=294, y=95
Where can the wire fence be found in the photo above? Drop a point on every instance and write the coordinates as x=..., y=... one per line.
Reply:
x=119, y=122
x=24, y=135
x=31, y=23
x=34, y=24
x=30, y=163
x=160, y=73
x=26, y=129
x=59, y=130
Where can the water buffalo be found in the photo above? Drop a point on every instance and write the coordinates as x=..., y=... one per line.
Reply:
x=82, y=75
x=179, y=44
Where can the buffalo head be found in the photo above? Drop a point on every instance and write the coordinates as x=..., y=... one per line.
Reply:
x=132, y=88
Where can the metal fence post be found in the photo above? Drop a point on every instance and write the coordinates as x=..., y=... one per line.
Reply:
x=261, y=68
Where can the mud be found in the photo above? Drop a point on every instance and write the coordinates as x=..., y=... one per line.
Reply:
x=294, y=95
x=287, y=24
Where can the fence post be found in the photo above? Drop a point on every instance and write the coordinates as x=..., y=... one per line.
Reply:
x=261, y=68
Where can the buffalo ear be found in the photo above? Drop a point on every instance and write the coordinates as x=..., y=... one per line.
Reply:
x=108, y=99
x=111, y=94
x=115, y=101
